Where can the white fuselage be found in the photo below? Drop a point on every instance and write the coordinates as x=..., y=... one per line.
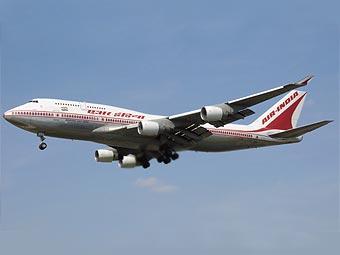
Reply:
x=77, y=120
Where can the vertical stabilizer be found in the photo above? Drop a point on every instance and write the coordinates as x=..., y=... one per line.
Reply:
x=284, y=114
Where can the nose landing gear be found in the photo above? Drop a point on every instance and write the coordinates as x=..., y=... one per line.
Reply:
x=42, y=145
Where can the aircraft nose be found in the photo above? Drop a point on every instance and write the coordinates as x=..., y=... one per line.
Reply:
x=7, y=116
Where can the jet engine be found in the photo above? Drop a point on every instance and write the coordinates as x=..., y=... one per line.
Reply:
x=129, y=161
x=106, y=155
x=215, y=112
x=148, y=128
x=155, y=127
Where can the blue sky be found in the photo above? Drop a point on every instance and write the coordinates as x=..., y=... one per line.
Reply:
x=166, y=57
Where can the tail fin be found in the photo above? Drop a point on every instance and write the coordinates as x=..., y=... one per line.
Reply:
x=284, y=114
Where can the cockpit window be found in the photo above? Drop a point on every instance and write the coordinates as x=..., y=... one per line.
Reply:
x=33, y=101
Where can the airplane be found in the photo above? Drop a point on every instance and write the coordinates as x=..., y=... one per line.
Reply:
x=134, y=138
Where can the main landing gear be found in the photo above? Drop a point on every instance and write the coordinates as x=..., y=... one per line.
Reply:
x=146, y=164
x=167, y=156
x=42, y=145
x=164, y=156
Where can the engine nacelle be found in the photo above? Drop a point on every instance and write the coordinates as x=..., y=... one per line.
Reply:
x=106, y=155
x=129, y=161
x=148, y=128
x=215, y=112
x=154, y=127
x=211, y=113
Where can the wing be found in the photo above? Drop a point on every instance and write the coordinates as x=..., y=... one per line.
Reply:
x=239, y=106
x=182, y=136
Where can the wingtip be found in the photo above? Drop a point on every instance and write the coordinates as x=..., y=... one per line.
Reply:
x=305, y=80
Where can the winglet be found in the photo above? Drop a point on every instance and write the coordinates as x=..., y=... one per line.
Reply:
x=305, y=80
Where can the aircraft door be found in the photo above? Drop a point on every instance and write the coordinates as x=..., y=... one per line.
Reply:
x=83, y=106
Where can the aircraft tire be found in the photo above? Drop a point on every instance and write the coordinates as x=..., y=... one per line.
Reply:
x=146, y=165
x=174, y=156
x=42, y=146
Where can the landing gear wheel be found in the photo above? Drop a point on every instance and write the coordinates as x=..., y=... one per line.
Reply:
x=42, y=146
x=146, y=165
x=167, y=160
x=174, y=156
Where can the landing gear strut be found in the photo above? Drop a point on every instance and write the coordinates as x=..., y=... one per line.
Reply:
x=42, y=145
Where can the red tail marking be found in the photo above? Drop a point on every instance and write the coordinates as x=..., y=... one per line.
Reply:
x=284, y=120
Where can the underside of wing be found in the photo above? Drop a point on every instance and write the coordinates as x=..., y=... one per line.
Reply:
x=183, y=136
x=188, y=136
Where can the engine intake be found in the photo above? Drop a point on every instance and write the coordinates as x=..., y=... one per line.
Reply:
x=155, y=127
x=106, y=155
x=215, y=112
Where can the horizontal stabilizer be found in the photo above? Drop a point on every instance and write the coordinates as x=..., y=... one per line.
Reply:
x=296, y=132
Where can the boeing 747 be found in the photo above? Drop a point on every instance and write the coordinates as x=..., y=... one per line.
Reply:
x=134, y=138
